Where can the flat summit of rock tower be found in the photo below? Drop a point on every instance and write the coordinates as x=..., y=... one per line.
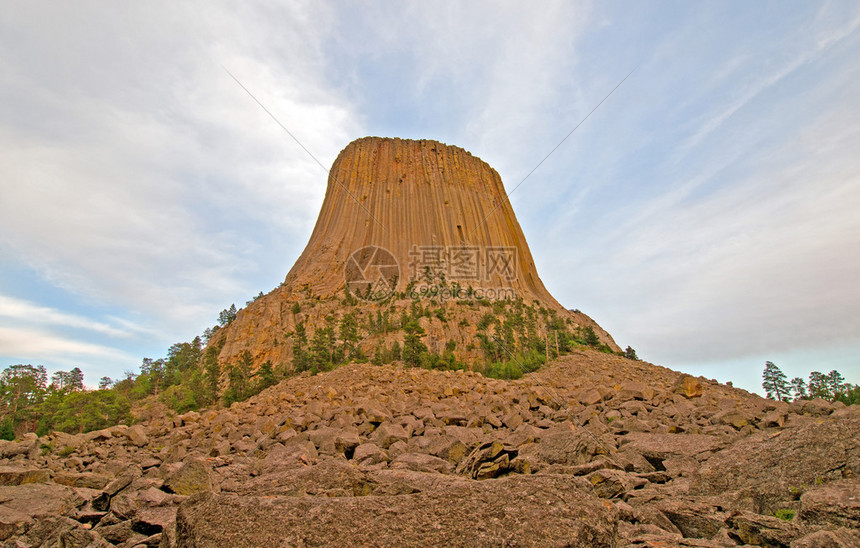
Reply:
x=406, y=226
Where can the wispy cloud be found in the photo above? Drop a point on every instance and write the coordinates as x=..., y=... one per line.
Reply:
x=41, y=345
x=25, y=312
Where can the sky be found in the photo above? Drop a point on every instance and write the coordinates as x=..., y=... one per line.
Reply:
x=705, y=214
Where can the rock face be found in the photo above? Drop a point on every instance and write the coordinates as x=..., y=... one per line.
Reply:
x=591, y=450
x=409, y=196
x=412, y=217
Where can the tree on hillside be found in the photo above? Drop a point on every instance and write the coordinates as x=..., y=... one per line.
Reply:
x=211, y=375
x=82, y=411
x=105, y=383
x=590, y=337
x=630, y=354
x=301, y=359
x=227, y=315
x=68, y=381
x=22, y=388
x=798, y=387
x=774, y=382
x=835, y=383
x=239, y=385
x=851, y=395
x=818, y=386
x=155, y=372
x=413, y=346
x=348, y=333
x=322, y=346
x=76, y=380
x=265, y=376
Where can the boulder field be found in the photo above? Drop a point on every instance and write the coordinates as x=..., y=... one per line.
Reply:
x=592, y=450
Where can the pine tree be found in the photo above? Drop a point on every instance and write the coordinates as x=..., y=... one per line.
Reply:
x=301, y=359
x=265, y=376
x=818, y=386
x=630, y=354
x=211, y=374
x=835, y=383
x=774, y=382
x=798, y=386
x=590, y=337
x=76, y=379
x=413, y=346
x=349, y=333
x=227, y=315
x=321, y=348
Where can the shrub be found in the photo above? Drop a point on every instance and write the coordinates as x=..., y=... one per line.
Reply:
x=785, y=513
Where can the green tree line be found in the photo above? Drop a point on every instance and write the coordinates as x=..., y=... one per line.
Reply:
x=831, y=387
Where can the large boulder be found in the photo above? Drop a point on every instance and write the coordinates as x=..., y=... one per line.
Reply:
x=836, y=503
x=566, y=444
x=191, y=478
x=15, y=475
x=767, y=471
x=330, y=477
x=523, y=510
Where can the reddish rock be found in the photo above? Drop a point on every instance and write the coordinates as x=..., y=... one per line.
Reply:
x=456, y=514
x=836, y=503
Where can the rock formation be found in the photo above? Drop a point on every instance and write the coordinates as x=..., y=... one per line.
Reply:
x=593, y=450
x=416, y=199
x=427, y=216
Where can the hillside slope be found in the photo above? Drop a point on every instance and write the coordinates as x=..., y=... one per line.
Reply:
x=592, y=450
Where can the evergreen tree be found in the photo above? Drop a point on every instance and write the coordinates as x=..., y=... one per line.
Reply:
x=76, y=379
x=850, y=395
x=227, y=315
x=322, y=347
x=301, y=359
x=774, y=382
x=630, y=354
x=211, y=374
x=349, y=333
x=238, y=379
x=83, y=411
x=818, y=386
x=835, y=383
x=798, y=387
x=22, y=388
x=413, y=346
x=265, y=376
x=105, y=383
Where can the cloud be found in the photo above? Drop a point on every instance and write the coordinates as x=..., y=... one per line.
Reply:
x=139, y=175
x=704, y=212
x=40, y=345
x=26, y=312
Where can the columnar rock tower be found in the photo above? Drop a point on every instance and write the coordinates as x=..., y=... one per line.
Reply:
x=399, y=217
x=420, y=200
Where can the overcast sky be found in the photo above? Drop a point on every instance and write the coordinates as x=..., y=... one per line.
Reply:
x=706, y=213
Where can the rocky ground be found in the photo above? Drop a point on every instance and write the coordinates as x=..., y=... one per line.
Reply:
x=593, y=450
